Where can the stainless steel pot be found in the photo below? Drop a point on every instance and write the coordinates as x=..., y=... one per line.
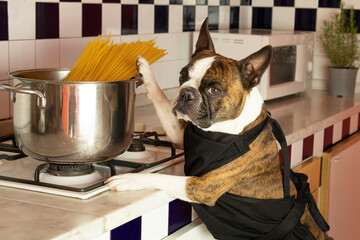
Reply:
x=71, y=122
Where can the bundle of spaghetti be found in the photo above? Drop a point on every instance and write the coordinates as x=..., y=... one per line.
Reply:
x=103, y=60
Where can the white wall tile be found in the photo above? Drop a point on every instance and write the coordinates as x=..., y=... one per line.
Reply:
x=306, y=3
x=318, y=143
x=224, y=17
x=70, y=51
x=324, y=14
x=70, y=19
x=21, y=15
x=189, y=2
x=354, y=120
x=154, y=224
x=111, y=19
x=245, y=17
x=161, y=41
x=235, y=2
x=201, y=14
x=146, y=18
x=283, y=18
x=214, y=2
x=4, y=57
x=175, y=18
x=174, y=68
x=47, y=53
x=161, y=2
x=105, y=236
x=262, y=3
x=91, y=1
x=320, y=70
x=337, y=134
x=180, y=46
x=129, y=1
x=22, y=54
x=296, y=152
x=354, y=3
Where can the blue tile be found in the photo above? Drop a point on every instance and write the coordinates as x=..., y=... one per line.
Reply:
x=213, y=14
x=224, y=2
x=179, y=215
x=4, y=29
x=129, y=19
x=201, y=2
x=128, y=231
x=161, y=19
x=245, y=3
x=305, y=19
x=47, y=20
x=91, y=20
x=329, y=3
x=261, y=17
x=284, y=3
x=146, y=1
x=234, y=17
x=179, y=2
x=188, y=18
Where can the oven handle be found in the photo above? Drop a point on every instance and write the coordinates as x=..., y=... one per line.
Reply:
x=41, y=100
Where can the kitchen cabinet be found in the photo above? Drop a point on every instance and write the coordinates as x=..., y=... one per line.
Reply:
x=311, y=167
x=340, y=193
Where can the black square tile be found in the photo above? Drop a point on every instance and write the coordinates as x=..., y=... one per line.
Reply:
x=161, y=19
x=130, y=230
x=129, y=19
x=329, y=3
x=179, y=2
x=213, y=14
x=188, y=18
x=146, y=1
x=245, y=2
x=4, y=29
x=179, y=215
x=234, y=17
x=201, y=2
x=111, y=1
x=305, y=19
x=284, y=3
x=47, y=20
x=261, y=17
x=224, y=2
x=91, y=20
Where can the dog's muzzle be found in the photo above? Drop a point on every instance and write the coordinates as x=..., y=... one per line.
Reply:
x=185, y=97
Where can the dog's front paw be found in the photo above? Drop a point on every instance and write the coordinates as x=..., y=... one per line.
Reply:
x=124, y=182
x=150, y=83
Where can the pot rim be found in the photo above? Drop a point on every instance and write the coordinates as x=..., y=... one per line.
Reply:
x=12, y=74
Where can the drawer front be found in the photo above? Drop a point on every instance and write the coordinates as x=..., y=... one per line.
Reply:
x=311, y=168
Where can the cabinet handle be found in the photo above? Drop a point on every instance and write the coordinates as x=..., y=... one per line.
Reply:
x=336, y=159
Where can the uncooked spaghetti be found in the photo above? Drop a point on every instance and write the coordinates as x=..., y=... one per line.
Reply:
x=103, y=60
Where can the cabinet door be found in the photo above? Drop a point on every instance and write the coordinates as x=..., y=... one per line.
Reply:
x=340, y=192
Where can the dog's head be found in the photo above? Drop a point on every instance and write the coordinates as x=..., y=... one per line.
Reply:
x=214, y=88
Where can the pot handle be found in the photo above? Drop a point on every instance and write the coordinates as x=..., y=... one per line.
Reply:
x=41, y=100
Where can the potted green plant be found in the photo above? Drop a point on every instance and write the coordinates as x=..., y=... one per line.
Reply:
x=341, y=46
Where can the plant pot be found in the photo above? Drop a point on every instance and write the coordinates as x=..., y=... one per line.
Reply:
x=342, y=81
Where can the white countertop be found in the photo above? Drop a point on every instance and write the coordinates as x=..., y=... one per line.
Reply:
x=31, y=215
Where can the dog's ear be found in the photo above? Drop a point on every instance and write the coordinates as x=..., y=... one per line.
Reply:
x=253, y=66
x=204, y=41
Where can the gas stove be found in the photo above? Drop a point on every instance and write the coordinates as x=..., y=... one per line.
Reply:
x=147, y=153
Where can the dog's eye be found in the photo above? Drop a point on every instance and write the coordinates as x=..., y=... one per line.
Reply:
x=213, y=91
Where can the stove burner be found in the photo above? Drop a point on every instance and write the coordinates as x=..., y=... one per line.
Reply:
x=136, y=146
x=70, y=169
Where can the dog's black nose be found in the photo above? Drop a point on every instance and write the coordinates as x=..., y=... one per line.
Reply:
x=187, y=94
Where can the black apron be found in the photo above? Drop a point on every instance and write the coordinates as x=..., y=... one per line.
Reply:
x=235, y=217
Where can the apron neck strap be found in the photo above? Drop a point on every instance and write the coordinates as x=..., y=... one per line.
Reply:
x=280, y=137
